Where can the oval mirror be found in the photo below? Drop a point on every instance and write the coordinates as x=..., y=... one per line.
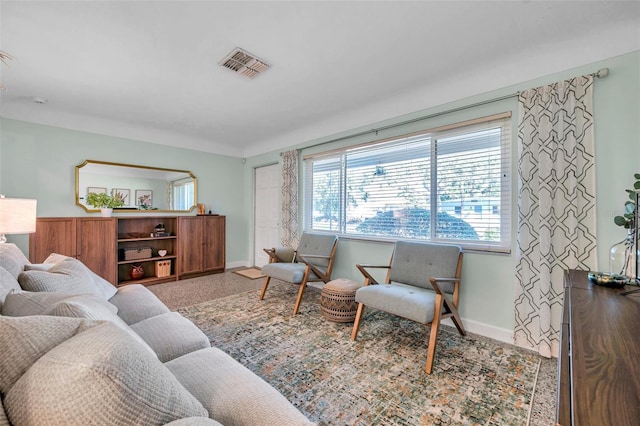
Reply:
x=142, y=188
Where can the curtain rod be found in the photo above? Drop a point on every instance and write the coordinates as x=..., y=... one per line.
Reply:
x=601, y=73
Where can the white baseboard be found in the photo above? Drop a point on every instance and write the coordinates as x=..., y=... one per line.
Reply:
x=493, y=332
x=239, y=264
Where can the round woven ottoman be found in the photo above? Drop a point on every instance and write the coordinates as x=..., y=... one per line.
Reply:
x=338, y=300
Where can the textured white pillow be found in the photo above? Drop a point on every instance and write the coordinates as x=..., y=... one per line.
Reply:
x=89, y=306
x=25, y=339
x=67, y=275
x=38, y=266
x=99, y=376
x=25, y=303
x=8, y=284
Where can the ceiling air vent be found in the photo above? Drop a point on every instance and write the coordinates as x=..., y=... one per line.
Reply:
x=244, y=63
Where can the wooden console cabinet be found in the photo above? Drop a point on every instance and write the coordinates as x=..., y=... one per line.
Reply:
x=203, y=251
x=599, y=363
x=88, y=239
x=101, y=243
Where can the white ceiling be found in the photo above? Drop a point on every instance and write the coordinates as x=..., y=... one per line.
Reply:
x=148, y=70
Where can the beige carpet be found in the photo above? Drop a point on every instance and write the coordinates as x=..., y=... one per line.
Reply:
x=251, y=273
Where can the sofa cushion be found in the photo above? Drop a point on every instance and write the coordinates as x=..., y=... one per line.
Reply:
x=12, y=259
x=24, y=303
x=99, y=376
x=25, y=339
x=136, y=303
x=8, y=284
x=231, y=393
x=92, y=307
x=68, y=275
x=171, y=335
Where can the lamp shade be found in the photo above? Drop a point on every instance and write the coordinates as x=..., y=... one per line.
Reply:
x=17, y=216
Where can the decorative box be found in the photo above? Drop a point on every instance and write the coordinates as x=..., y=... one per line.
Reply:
x=163, y=268
x=135, y=253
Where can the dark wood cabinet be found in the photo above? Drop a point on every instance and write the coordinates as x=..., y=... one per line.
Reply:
x=204, y=250
x=90, y=240
x=599, y=363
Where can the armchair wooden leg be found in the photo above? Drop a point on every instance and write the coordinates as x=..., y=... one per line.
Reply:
x=264, y=287
x=433, y=336
x=455, y=317
x=303, y=287
x=356, y=322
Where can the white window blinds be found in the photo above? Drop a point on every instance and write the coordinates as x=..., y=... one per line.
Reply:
x=447, y=184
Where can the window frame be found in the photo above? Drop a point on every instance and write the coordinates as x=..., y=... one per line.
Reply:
x=503, y=245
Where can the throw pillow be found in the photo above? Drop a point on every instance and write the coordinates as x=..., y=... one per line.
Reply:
x=38, y=266
x=101, y=286
x=88, y=306
x=12, y=259
x=25, y=339
x=67, y=275
x=8, y=284
x=24, y=303
x=99, y=376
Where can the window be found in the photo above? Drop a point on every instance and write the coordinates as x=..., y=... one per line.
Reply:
x=183, y=194
x=389, y=189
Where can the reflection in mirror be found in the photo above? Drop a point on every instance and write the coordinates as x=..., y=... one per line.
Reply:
x=142, y=188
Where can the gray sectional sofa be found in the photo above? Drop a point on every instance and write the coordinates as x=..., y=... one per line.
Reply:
x=76, y=350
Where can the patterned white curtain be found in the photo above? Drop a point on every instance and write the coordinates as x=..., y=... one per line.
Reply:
x=556, y=205
x=289, y=213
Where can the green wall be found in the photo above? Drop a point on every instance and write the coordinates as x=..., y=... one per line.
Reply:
x=39, y=162
x=488, y=288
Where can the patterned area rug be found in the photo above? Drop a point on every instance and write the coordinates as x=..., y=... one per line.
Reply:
x=378, y=379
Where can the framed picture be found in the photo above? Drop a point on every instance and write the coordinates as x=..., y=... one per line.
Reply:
x=144, y=198
x=123, y=194
x=96, y=190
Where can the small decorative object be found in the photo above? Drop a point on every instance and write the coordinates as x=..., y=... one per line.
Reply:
x=104, y=202
x=623, y=256
x=123, y=194
x=163, y=268
x=608, y=280
x=137, y=272
x=162, y=252
x=200, y=208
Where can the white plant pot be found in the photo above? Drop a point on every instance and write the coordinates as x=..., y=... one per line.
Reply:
x=106, y=212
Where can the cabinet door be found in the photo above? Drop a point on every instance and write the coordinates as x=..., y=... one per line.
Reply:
x=96, y=246
x=53, y=235
x=191, y=241
x=214, y=242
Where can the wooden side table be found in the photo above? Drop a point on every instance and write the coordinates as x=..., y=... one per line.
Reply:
x=338, y=300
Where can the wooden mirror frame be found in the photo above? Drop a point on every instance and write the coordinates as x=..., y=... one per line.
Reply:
x=152, y=171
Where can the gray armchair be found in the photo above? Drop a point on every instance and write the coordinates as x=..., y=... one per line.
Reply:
x=312, y=261
x=422, y=284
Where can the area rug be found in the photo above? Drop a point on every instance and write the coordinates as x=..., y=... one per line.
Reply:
x=251, y=273
x=378, y=379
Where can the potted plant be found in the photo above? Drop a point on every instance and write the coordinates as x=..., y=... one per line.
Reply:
x=622, y=255
x=104, y=202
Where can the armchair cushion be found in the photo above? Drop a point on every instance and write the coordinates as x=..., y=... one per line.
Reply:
x=316, y=245
x=289, y=272
x=414, y=303
x=415, y=262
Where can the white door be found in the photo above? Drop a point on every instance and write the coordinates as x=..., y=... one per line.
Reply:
x=266, y=212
